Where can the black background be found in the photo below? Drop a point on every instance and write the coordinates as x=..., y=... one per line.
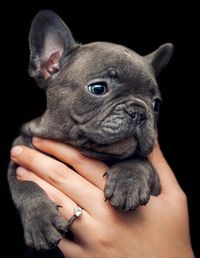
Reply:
x=141, y=27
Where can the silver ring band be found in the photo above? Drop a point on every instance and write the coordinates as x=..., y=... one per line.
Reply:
x=77, y=213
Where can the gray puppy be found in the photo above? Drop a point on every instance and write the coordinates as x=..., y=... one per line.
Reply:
x=102, y=98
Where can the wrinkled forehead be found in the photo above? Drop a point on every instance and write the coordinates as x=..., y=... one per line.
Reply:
x=99, y=56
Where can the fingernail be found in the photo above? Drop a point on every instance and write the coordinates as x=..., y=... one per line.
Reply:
x=35, y=139
x=21, y=171
x=16, y=151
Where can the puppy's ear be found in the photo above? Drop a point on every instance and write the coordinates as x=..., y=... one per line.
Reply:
x=160, y=57
x=50, y=42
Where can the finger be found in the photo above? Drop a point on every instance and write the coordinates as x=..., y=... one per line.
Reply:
x=167, y=178
x=59, y=175
x=91, y=169
x=70, y=248
x=59, y=198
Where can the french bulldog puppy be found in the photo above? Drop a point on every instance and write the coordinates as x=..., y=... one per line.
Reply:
x=102, y=98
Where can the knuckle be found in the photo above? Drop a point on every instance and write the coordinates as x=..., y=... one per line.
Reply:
x=181, y=195
x=101, y=238
x=28, y=177
x=30, y=156
x=59, y=173
x=57, y=199
x=79, y=158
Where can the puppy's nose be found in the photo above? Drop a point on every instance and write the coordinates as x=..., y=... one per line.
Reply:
x=138, y=114
x=137, y=109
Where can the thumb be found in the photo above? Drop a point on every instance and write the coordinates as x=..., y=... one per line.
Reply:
x=167, y=178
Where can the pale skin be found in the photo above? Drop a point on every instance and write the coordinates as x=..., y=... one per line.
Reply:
x=158, y=230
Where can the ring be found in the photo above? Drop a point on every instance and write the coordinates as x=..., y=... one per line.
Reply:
x=77, y=213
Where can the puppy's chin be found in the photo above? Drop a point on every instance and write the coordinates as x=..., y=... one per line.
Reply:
x=120, y=150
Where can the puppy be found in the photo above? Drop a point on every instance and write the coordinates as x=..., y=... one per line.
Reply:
x=102, y=98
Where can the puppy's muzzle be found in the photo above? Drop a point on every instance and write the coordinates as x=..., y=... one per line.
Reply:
x=137, y=109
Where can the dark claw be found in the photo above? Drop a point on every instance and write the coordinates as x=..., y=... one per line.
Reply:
x=108, y=197
x=144, y=201
x=54, y=243
x=105, y=174
x=63, y=229
x=30, y=244
x=58, y=206
x=42, y=247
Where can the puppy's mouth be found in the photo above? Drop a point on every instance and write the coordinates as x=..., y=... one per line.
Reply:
x=120, y=149
x=126, y=145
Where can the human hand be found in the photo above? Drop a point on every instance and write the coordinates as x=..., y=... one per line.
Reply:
x=160, y=229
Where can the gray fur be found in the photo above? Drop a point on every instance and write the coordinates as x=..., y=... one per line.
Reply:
x=117, y=127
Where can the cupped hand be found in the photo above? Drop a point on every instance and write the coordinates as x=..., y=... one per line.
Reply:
x=159, y=229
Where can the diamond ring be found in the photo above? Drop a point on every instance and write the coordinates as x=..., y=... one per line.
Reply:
x=77, y=213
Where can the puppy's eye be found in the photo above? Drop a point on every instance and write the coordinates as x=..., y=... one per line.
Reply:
x=156, y=104
x=98, y=88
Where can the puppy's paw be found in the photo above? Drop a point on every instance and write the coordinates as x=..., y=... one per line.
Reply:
x=43, y=226
x=130, y=185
